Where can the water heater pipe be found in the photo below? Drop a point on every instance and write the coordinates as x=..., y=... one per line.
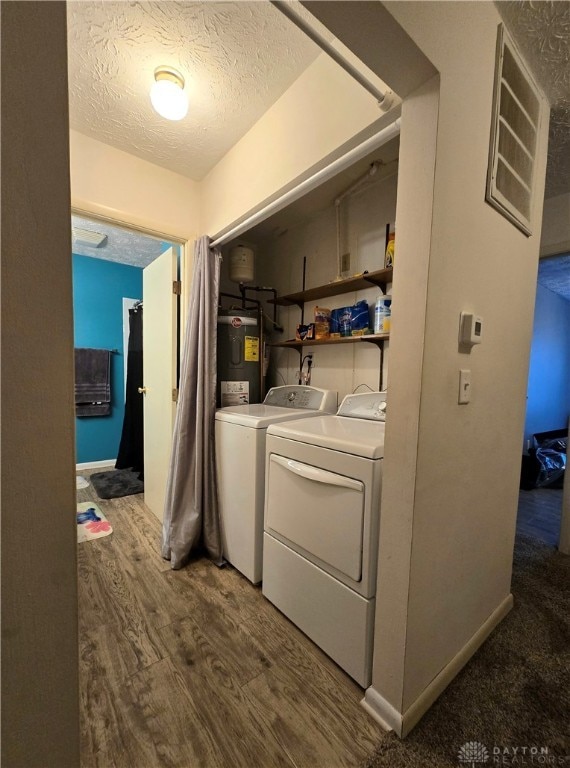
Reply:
x=373, y=168
x=241, y=298
x=261, y=289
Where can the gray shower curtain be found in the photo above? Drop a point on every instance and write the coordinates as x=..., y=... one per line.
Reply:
x=191, y=517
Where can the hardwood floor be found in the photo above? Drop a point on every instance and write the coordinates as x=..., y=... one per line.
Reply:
x=196, y=668
x=539, y=514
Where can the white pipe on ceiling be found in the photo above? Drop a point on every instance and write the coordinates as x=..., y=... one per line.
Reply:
x=384, y=99
x=337, y=166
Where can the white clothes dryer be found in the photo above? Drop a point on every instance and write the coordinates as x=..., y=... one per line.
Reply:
x=322, y=518
x=240, y=466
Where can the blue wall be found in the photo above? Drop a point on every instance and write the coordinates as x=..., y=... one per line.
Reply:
x=98, y=290
x=548, y=395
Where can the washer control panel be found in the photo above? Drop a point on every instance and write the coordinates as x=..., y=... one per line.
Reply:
x=365, y=405
x=303, y=397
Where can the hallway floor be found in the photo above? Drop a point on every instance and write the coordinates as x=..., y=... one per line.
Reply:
x=196, y=668
x=539, y=514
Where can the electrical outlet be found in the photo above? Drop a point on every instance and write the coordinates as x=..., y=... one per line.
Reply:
x=345, y=262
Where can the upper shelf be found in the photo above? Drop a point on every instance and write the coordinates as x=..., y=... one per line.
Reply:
x=380, y=278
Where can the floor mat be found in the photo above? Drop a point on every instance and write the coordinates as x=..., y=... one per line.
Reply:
x=117, y=483
x=81, y=482
x=91, y=522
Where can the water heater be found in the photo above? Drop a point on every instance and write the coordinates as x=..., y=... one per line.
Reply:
x=239, y=353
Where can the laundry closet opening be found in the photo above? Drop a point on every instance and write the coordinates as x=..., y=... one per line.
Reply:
x=313, y=243
x=297, y=326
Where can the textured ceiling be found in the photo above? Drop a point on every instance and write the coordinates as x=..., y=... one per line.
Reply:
x=123, y=245
x=237, y=59
x=541, y=31
x=554, y=274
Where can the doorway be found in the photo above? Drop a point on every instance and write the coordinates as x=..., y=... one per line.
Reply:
x=548, y=405
x=114, y=266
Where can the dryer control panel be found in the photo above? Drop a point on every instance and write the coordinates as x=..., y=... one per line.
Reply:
x=365, y=405
x=299, y=396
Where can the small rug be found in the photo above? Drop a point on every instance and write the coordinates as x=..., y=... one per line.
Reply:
x=91, y=522
x=515, y=691
x=117, y=483
x=81, y=482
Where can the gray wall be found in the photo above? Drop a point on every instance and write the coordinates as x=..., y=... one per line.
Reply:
x=40, y=710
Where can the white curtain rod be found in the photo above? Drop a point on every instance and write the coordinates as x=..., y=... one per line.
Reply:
x=331, y=51
x=371, y=144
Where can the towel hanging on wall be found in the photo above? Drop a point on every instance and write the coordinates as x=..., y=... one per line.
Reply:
x=92, y=382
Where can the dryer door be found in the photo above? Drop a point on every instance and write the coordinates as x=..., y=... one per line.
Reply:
x=318, y=513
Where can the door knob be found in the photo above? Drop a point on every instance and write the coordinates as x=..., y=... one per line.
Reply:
x=142, y=390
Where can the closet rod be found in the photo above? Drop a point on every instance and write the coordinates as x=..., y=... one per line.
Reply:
x=351, y=157
x=384, y=99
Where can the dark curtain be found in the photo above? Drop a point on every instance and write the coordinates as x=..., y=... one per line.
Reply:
x=131, y=449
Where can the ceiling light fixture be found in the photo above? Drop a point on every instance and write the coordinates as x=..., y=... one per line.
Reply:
x=167, y=94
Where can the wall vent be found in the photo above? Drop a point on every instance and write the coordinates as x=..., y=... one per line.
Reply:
x=514, y=130
x=88, y=237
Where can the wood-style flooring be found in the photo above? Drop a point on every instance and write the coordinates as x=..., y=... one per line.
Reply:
x=540, y=513
x=196, y=668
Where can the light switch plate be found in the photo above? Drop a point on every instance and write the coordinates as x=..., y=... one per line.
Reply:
x=464, y=386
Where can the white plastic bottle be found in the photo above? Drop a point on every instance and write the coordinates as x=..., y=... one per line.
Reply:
x=382, y=314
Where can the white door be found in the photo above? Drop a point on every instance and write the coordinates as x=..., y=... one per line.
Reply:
x=159, y=374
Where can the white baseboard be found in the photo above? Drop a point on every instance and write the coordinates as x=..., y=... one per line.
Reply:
x=402, y=723
x=95, y=464
x=383, y=712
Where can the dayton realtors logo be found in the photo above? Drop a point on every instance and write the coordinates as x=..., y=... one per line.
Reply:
x=475, y=754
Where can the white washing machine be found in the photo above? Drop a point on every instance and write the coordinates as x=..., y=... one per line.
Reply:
x=240, y=465
x=322, y=517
